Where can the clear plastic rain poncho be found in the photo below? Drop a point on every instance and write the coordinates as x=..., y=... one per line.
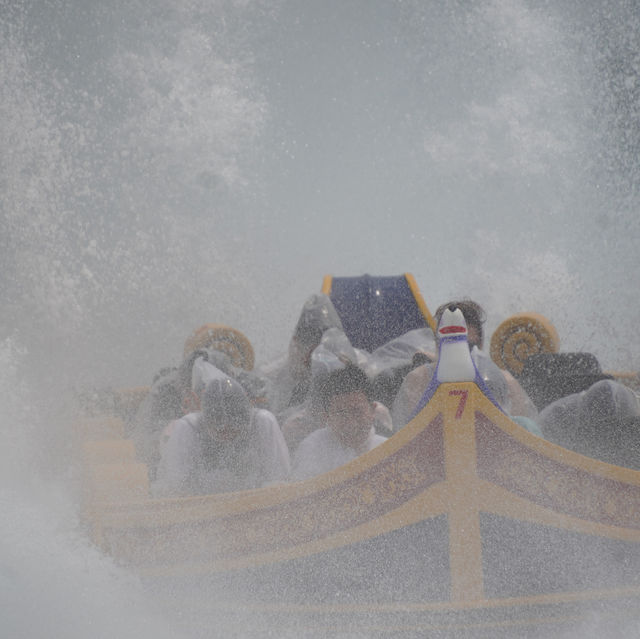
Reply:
x=400, y=351
x=227, y=446
x=318, y=314
x=332, y=353
x=287, y=380
x=417, y=381
x=492, y=377
x=202, y=373
x=389, y=364
x=591, y=422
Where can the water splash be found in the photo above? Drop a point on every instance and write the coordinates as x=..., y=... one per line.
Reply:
x=165, y=165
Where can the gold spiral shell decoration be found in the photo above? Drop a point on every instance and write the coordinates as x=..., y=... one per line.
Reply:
x=224, y=339
x=520, y=336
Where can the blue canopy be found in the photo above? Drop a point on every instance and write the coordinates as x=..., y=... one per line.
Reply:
x=375, y=309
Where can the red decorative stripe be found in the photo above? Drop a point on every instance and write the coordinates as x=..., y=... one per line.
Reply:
x=445, y=330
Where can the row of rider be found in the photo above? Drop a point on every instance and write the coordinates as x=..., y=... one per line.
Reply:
x=321, y=396
x=322, y=405
x=190, y=459
x=229, y=445
x=309, y=392
x=599, y=417
x=226, y=444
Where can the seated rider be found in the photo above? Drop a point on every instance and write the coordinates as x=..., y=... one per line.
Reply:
x=202, y=372
x=288, y=380
x=390, y=363
x=601, y=422
x=172, y=395
x=345, y=397
x=505, y=388
x=228, y=445
x=333, y=352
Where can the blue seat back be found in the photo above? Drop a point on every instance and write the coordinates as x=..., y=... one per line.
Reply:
x=375, y=309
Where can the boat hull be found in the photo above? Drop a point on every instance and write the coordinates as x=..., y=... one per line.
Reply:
x=463, y=519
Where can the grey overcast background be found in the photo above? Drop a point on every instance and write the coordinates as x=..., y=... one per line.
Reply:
x=166, y=164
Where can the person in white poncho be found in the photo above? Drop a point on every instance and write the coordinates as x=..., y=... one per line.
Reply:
x=349, y=413
x=228, y=445
x=173, y=395
x=601, y=422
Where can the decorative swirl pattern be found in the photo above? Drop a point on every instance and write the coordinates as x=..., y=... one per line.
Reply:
x=520, y=336
x=225, y=339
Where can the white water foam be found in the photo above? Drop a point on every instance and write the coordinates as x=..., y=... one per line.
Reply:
x=165, y=165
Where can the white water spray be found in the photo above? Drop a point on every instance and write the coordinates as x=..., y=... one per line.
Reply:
x=164, y=166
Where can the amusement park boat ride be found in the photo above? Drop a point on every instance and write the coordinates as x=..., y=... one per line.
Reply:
x=461, y=522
